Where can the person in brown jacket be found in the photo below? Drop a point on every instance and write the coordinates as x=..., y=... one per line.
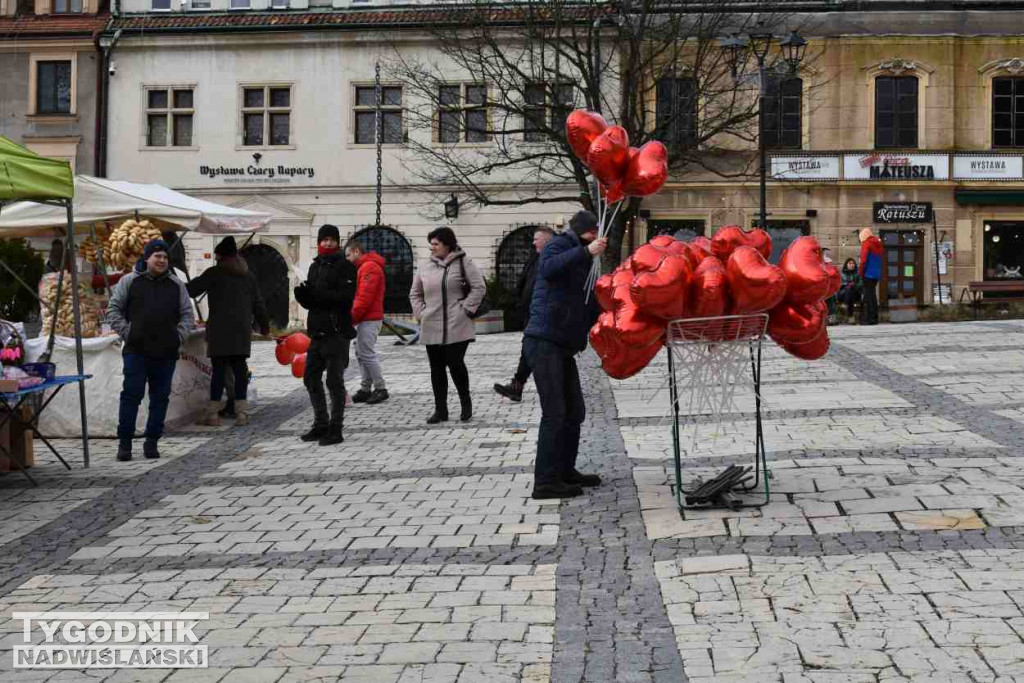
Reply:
x=446, y=289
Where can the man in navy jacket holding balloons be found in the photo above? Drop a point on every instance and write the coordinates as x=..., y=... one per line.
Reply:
x=560, y=320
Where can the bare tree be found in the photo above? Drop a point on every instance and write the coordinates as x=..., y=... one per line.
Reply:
x=486, y=109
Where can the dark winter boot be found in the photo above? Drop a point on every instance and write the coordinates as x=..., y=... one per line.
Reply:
x=124, y=451
x=467, y=406
x=555, y=490
x=315, y=433
x=361, y=396
x=332, y=437
x=513, y=390
x=149, y=449
x=440, y=415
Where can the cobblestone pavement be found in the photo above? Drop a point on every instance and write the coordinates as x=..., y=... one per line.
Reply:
x=892, y=548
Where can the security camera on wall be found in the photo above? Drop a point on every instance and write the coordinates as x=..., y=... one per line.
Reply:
x=112, y=68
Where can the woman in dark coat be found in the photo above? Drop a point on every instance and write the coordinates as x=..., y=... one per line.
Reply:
x=234, y=299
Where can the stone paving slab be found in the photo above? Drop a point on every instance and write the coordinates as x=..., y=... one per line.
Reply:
x=453, y=447
x=775, y=397
x=22, y=511
x=462, y=512
x=892, y=617
x=388, y=622
x=867, y=432
x=892, y=548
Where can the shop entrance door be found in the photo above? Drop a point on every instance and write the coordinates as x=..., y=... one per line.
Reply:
x=902, y=282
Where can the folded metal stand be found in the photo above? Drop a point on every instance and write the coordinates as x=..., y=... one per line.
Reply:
x=707, y=360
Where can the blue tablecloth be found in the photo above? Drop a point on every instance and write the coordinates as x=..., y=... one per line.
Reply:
x=39, y=388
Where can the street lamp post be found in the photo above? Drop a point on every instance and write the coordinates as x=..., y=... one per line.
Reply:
x=759, y=44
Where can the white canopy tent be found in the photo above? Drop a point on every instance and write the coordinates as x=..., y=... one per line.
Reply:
x=99, y=199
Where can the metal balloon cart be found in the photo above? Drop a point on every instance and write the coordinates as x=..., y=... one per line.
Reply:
x=707, y=360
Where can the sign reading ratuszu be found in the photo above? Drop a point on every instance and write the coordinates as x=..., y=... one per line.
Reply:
x=903, y=212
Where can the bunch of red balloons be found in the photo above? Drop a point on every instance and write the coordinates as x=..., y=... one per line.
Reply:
x=291, y=350
x=623, y=171
x=667, y=279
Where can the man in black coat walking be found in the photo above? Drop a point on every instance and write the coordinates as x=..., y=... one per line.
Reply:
x=234, y=299
x=327, y=294
x=514, y=389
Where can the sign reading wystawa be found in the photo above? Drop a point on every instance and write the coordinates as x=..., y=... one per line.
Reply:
x=805, y=167
x=898, y=166
x=902, y=212
x=988, y=167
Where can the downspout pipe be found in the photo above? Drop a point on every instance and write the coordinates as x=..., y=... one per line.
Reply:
x=102, y=123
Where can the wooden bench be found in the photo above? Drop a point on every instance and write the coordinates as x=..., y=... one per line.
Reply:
x=976, y=291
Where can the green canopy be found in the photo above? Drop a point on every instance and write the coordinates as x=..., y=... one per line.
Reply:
x=26, y=175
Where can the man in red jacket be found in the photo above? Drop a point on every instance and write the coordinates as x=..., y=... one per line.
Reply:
x=870, y=273
x=368, y=316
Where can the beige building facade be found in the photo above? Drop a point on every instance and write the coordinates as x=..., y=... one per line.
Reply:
x=957, y=154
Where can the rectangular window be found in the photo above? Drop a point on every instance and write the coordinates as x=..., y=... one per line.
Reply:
x=279, y=4
x=895, y=112
x=53, y=87
x=462, y=113
x=1008, y=112
x=239, y=4
x=67, y=6
x=783, y=233
x=783, y=124
x=365, y=112
x=545, y=108
x=266, y=115
x=676, y=111
x=200, y=4
x=169, y=116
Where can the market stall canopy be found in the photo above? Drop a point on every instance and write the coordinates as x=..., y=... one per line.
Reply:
x=99, y=199
x=26, y=175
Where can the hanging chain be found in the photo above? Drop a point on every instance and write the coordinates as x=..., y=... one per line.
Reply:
x=379, y=133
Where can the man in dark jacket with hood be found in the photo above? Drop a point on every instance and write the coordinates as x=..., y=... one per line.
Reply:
x=150, y=309
x=560, y=321
x=327, y=294
x=235, y=299
x=524, y=288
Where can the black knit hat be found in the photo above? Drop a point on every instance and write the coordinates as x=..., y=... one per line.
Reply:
x=583, y=222
x=154, y=246
x=226, y=248
x=328, y=230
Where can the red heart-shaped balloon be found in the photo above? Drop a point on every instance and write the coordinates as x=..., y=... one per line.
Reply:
x=581, y=129
x=702, y=246
x=631, y=325
x=647, y=171
x=797, y=323
x=729, y=237
x=608, y=156
x=807, y=276
x=755, y=285
x=663, y=241
x=618, y=359
x=812, y=350
x=283, y=354
x=606, y=284
x=299, y=366
x=647, y=257
x=297, y=342
x=709, y=290
x=662, y=292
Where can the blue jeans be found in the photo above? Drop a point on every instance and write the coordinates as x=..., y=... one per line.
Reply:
x=139, y=371
x=562, y=409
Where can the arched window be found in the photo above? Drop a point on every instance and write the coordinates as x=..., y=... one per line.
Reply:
x=514, y=252
x=271, y=272
x=397, y=253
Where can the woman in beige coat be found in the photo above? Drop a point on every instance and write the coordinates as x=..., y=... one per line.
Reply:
x=447, y=286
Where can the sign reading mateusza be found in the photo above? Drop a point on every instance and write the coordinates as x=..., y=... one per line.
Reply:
x=110, y=640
